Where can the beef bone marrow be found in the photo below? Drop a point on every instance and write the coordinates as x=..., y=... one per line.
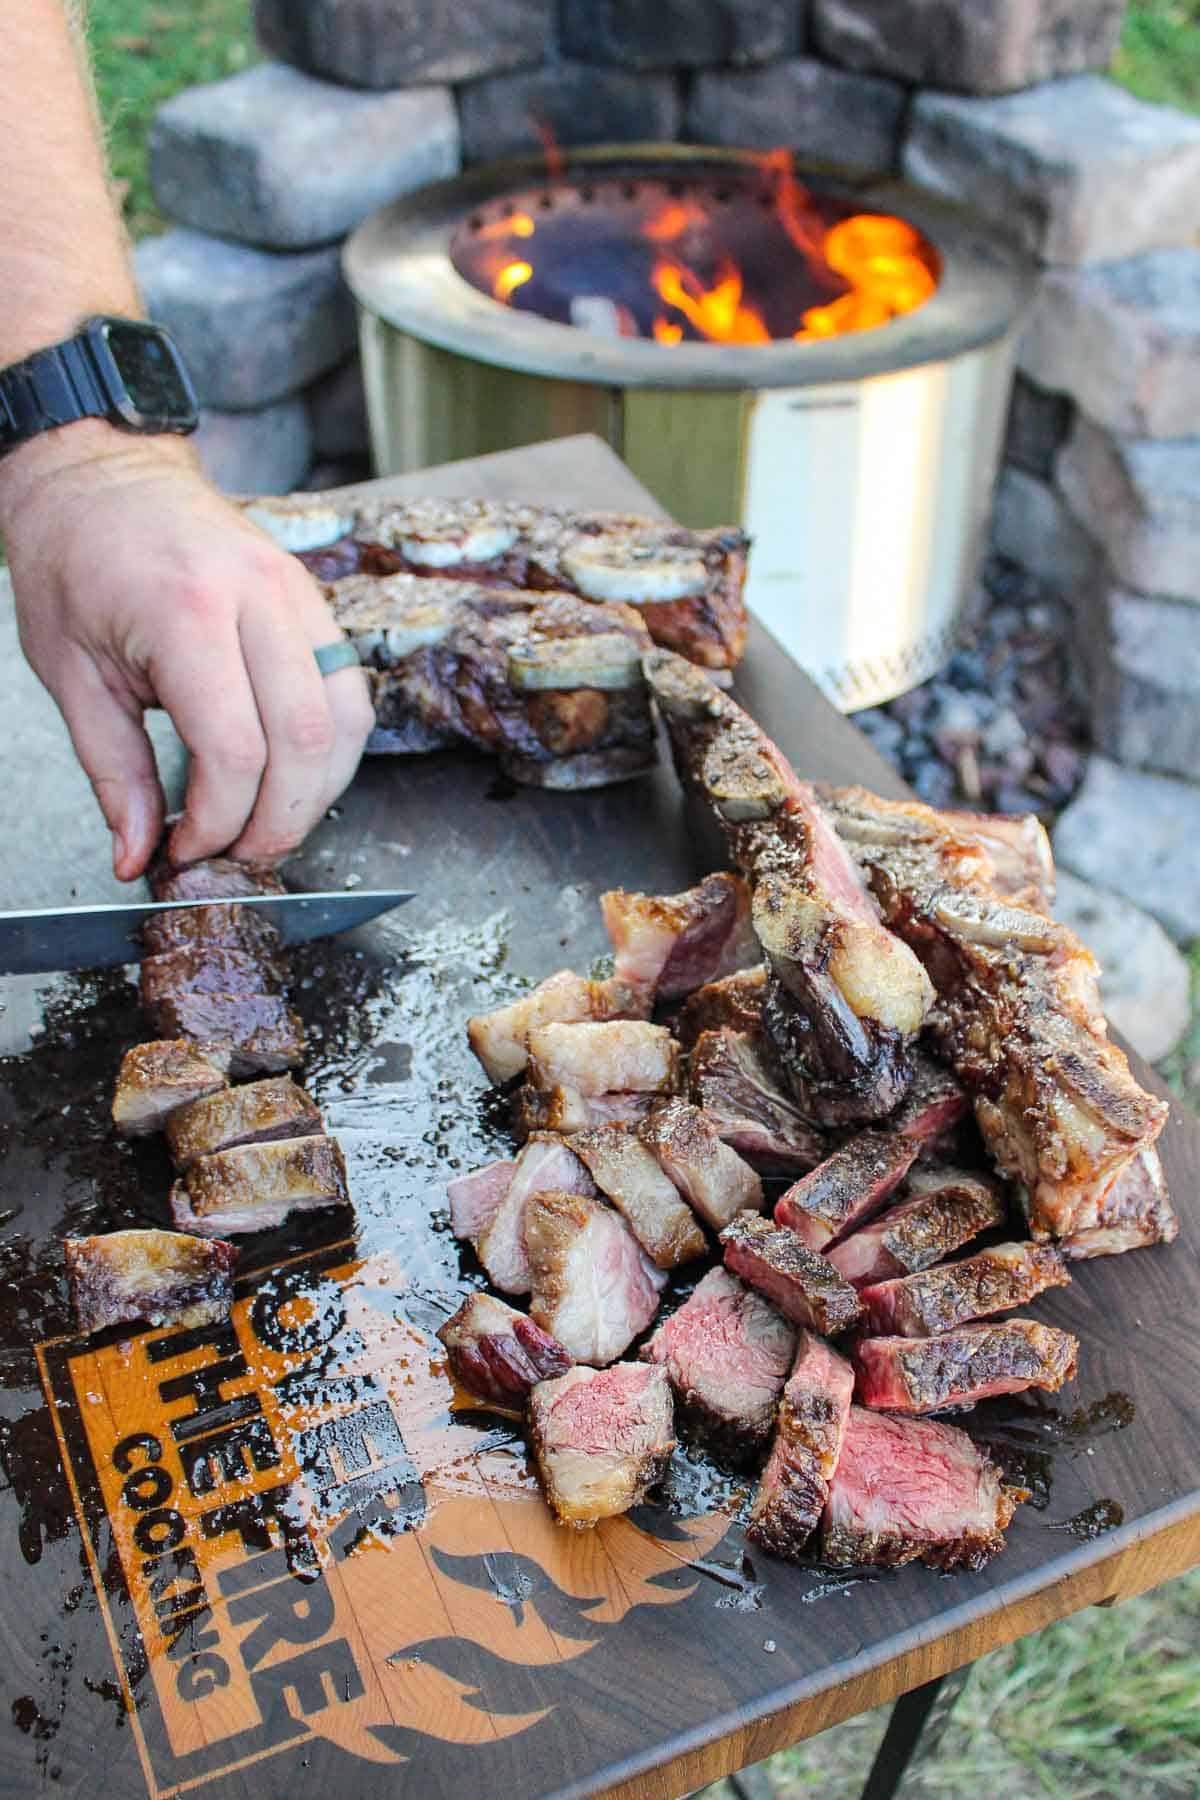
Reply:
x=845, y=997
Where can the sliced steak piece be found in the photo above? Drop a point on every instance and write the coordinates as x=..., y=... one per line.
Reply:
x=218, y=878
x=204, y=971
x=994, y=1281
x=1135, y=1211
x=545, y=1162
x=156, y=1277
x=934, y=1104
x=712, y=1178
x=562, y=1109
x=256, y=1186
x=624, y=1170
x=808, y=1439
x=908, y=1488
x=594, y=1287
x=622, y=1056
x=801, y=1284
x=254, y=1114
x=497, y=1352
x=499, y=1038
x=959, y=1367
x=601, y=1439
x=206, y=928
x=672, y=943
x=156, y=1079
x=848, y=1188
x=923, y=1229
x=732, y=1080
x=262, y=1033
x=736, y=1001
x=474, y=1198
x=728, y=1354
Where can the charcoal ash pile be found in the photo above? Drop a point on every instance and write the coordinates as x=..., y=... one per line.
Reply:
x=1001, y=726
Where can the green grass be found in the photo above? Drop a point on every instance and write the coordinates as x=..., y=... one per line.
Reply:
x=143, y=51
x=1182, y=1067
x=1159, y=57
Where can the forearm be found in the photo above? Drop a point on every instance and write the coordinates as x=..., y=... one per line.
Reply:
x=62, y=245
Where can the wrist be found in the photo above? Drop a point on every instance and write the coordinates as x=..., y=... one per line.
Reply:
x=91, y=449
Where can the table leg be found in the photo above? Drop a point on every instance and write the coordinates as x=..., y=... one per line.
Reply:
x=918, y=1720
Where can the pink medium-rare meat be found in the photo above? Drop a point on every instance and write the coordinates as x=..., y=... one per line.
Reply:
x=1135, y=1210
x=1018, y=1014
x=497, y=1352
x=848, y=1188
x=957, y=1368
x=979, y=1287
x=934, y=1103
x=253, y=1114
x=727, y=1353
x=732, y=1080
x=564, y=1110
x=601, y=1439
x=909, y=1488
x=798, y=1282
x=713, y=1179
x=921, y=1230
x=474, y=1198
x=621, y=1055
x=735, y=1002
x=256, y=1186
x=499, y=1038
x=624, y=1170
x=593, y=1286
x=262, y=1034
x=156, y=1079
x=791, y=1496
x=845, y=998
x=152, y=1277
x=672, y=943
x=217, y=878
x=544, y=1162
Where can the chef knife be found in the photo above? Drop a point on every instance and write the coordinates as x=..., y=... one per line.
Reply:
x=92, y=937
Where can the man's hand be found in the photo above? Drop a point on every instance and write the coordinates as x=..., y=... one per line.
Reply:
x=137, y=585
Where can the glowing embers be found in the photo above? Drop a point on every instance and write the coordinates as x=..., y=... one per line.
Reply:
x=735, y=255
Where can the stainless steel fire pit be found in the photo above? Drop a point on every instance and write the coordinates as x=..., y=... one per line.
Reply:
x=862, y=464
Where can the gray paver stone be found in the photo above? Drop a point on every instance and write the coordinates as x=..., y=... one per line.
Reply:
x=399, y=43
x=1033, y=526
x=1145, y=982
x=683, y=34
x=968, y=46
x=581, y=103
x=264, y=452
x=1138, y=834
x=1141, y=498
x=814, y=109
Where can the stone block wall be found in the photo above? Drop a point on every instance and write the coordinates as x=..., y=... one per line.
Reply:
x=1002, y=106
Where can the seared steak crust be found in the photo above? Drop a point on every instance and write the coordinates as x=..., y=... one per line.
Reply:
x=497, y=1352
x=157, y=1078
x=713, y=1179
x=957, y=1368
x=736, y=1002
x=256, y=1186
x=253, y=1114
x=994, y=1281
x=623, y=1169
x=921, y=1230
x=150, y=1277
x=808, y=1439
x=847, y=1188
x=794, y=1278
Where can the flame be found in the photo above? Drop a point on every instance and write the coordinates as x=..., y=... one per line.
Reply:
x=667, y=333
x=555, y=161
x=793, y=204
x=670, y=220
x=513, y=275
x=881, y=259
x=515, y=224
x=717, y=312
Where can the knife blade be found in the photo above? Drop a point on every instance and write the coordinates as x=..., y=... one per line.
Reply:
x=45, y=941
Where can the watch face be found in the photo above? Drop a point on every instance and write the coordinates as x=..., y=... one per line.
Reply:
x=157, y=393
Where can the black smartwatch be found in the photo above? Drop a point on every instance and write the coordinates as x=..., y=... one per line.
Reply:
x=122, y=370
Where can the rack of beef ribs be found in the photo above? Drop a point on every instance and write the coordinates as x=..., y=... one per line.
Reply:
x=1018, y=1017
x=601, y=1439
x=499, y=1353
x=592, y=1285
x=979, y=1287
x=727, y=1353
x=811, y=1423
x=909, y=1488
x=798, y=1283
x=957, y=1368
x=844, y=998
x=149, y=1277
x=948, y=1210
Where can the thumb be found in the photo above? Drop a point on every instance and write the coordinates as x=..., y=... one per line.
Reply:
x=111, y=743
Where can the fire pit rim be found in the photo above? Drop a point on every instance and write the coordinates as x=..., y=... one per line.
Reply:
x=985, y=284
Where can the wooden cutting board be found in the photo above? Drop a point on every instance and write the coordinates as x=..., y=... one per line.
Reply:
x=287, y=1557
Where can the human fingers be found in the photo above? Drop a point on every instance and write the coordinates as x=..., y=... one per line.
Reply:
x=200, y=679
x=118, y=759
x=349, y=699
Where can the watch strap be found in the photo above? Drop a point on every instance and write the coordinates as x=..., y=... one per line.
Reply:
x=50, y=388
